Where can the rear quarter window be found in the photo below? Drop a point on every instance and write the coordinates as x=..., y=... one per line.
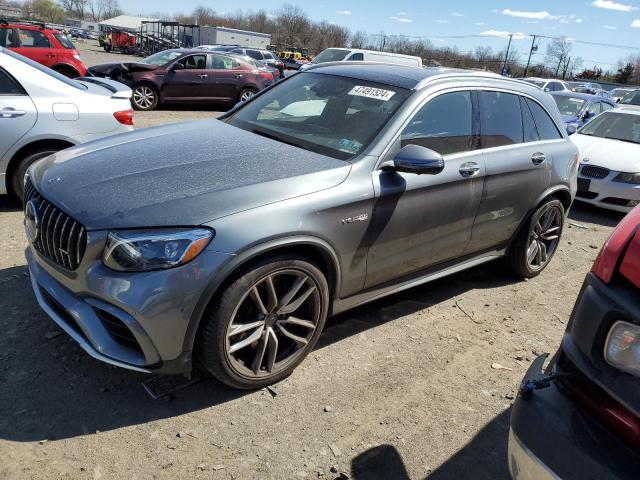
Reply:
x=546, y=126
x=8, y=86
x=64, y=41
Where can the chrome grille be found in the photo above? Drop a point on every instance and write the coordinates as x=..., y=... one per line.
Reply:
x=60, y=238
x=593, y=171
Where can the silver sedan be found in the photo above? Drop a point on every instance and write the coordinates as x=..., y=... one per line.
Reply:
x=42, y=112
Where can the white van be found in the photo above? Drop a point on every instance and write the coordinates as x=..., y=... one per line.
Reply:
x=357, y=54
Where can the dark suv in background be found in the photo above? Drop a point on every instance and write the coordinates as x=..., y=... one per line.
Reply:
x=580, y=418
x=230, y=241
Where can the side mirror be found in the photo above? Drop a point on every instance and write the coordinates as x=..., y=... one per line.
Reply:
x=177, y=66
x=418, y=160
x=571, y=129
x=547, y=89
x=587, y=115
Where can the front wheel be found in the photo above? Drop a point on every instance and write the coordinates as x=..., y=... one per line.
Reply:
x=145, y=97
x=265, y=323
x=538, y=240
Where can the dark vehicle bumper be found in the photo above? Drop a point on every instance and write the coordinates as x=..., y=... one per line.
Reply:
x=551, y=437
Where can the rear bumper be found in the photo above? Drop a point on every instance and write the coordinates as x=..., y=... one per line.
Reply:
x=551, y=438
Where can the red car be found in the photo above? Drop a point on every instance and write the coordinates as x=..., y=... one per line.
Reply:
x=580, y=418
x=49, y=47
x=186, y=76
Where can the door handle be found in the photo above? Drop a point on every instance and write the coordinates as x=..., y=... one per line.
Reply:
x=469, y=169
x=11, y=113
x=203, y=76
x=538, y=158
x=238, y=75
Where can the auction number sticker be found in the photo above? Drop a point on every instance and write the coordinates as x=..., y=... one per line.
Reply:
x=371, y=92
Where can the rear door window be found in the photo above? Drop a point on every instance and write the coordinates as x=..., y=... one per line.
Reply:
x=444, y=124
x=546, y=126
x=500, y=119
x=33, y=39
x=356, y=57
x=255, y=54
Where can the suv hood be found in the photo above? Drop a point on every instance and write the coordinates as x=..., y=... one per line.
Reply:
x=179, y=175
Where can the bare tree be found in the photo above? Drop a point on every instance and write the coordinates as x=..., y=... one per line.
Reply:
x=557, y=54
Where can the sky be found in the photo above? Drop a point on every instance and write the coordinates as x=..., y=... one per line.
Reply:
x=481, y=22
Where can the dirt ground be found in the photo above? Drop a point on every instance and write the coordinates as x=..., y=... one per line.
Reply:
x=401, y=388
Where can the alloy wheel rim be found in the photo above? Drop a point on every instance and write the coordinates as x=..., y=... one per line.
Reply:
x=246, y=95
x=144, y=97
x=544, y=238
x=273, y=323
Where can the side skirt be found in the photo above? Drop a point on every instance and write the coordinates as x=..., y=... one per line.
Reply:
x=342, y=304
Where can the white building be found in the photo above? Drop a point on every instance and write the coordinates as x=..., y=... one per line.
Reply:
x=233, y=36
x=9, y=12
x=125, y=22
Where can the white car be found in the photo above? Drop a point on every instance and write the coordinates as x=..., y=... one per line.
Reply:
x=42, y=112
x=358, y=54
x=548, y=84
x=609, y=171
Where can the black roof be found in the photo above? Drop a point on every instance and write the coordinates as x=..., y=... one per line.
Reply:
x=395, y=75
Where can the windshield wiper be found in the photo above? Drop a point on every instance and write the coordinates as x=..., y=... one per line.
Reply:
x=275, y=137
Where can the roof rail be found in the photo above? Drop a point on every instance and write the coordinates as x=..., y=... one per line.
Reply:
x=5, y=21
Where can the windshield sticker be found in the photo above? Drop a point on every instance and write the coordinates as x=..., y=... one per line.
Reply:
x=349, y=146
x=370, y=92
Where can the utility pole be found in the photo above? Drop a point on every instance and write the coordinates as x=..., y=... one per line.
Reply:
x=534, y=48
x=566, y=67
x=558, y=67
x=384, y=42
x=506, y=57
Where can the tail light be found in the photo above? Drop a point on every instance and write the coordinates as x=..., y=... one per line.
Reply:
x=125, y=117
x=608, y=260
x=266, y=75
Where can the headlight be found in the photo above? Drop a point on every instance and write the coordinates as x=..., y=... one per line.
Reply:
x=628, y=178
x=622, y=349
x=142, y=250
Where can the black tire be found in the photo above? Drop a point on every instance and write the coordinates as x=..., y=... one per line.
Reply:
x=213, y=348
x=17, y=177
x=546, y=240
x=145, y=97
x=246, y=94
x=67, y=72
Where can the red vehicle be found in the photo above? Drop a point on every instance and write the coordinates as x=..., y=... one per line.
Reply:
x=49, y=47
x=580, y=418
x=119, y=40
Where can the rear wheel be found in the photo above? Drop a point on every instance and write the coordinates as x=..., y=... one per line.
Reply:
x=538, y=240
x=145, y=97
x=67, y=72
x=265, y=323
x=17, y=177
x=246, y=94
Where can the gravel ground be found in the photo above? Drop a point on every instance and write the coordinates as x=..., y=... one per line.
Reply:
x=401, y=388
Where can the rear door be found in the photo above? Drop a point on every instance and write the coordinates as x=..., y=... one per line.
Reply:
x=423, y=220
x=188, y=83
x=518, y=159
x=228, y=75
x=17, y=112
x=35, y=45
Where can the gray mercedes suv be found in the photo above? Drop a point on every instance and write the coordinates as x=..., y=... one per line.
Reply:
x=228, y=242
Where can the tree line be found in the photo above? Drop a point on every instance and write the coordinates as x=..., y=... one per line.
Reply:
x=290, y=26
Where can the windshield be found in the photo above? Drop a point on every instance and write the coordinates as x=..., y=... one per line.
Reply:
x=43, y=69
x=331, y=115
x=64, y=41
x=619, y=92
x=537, y=83
x=616, y=126
x=632, y=98
x=331, y=55
x=160, y=58
x=569, y=106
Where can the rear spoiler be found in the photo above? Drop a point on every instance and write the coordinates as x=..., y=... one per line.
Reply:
x=118, y=89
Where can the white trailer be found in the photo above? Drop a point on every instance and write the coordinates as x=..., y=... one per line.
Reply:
x=233, y=36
